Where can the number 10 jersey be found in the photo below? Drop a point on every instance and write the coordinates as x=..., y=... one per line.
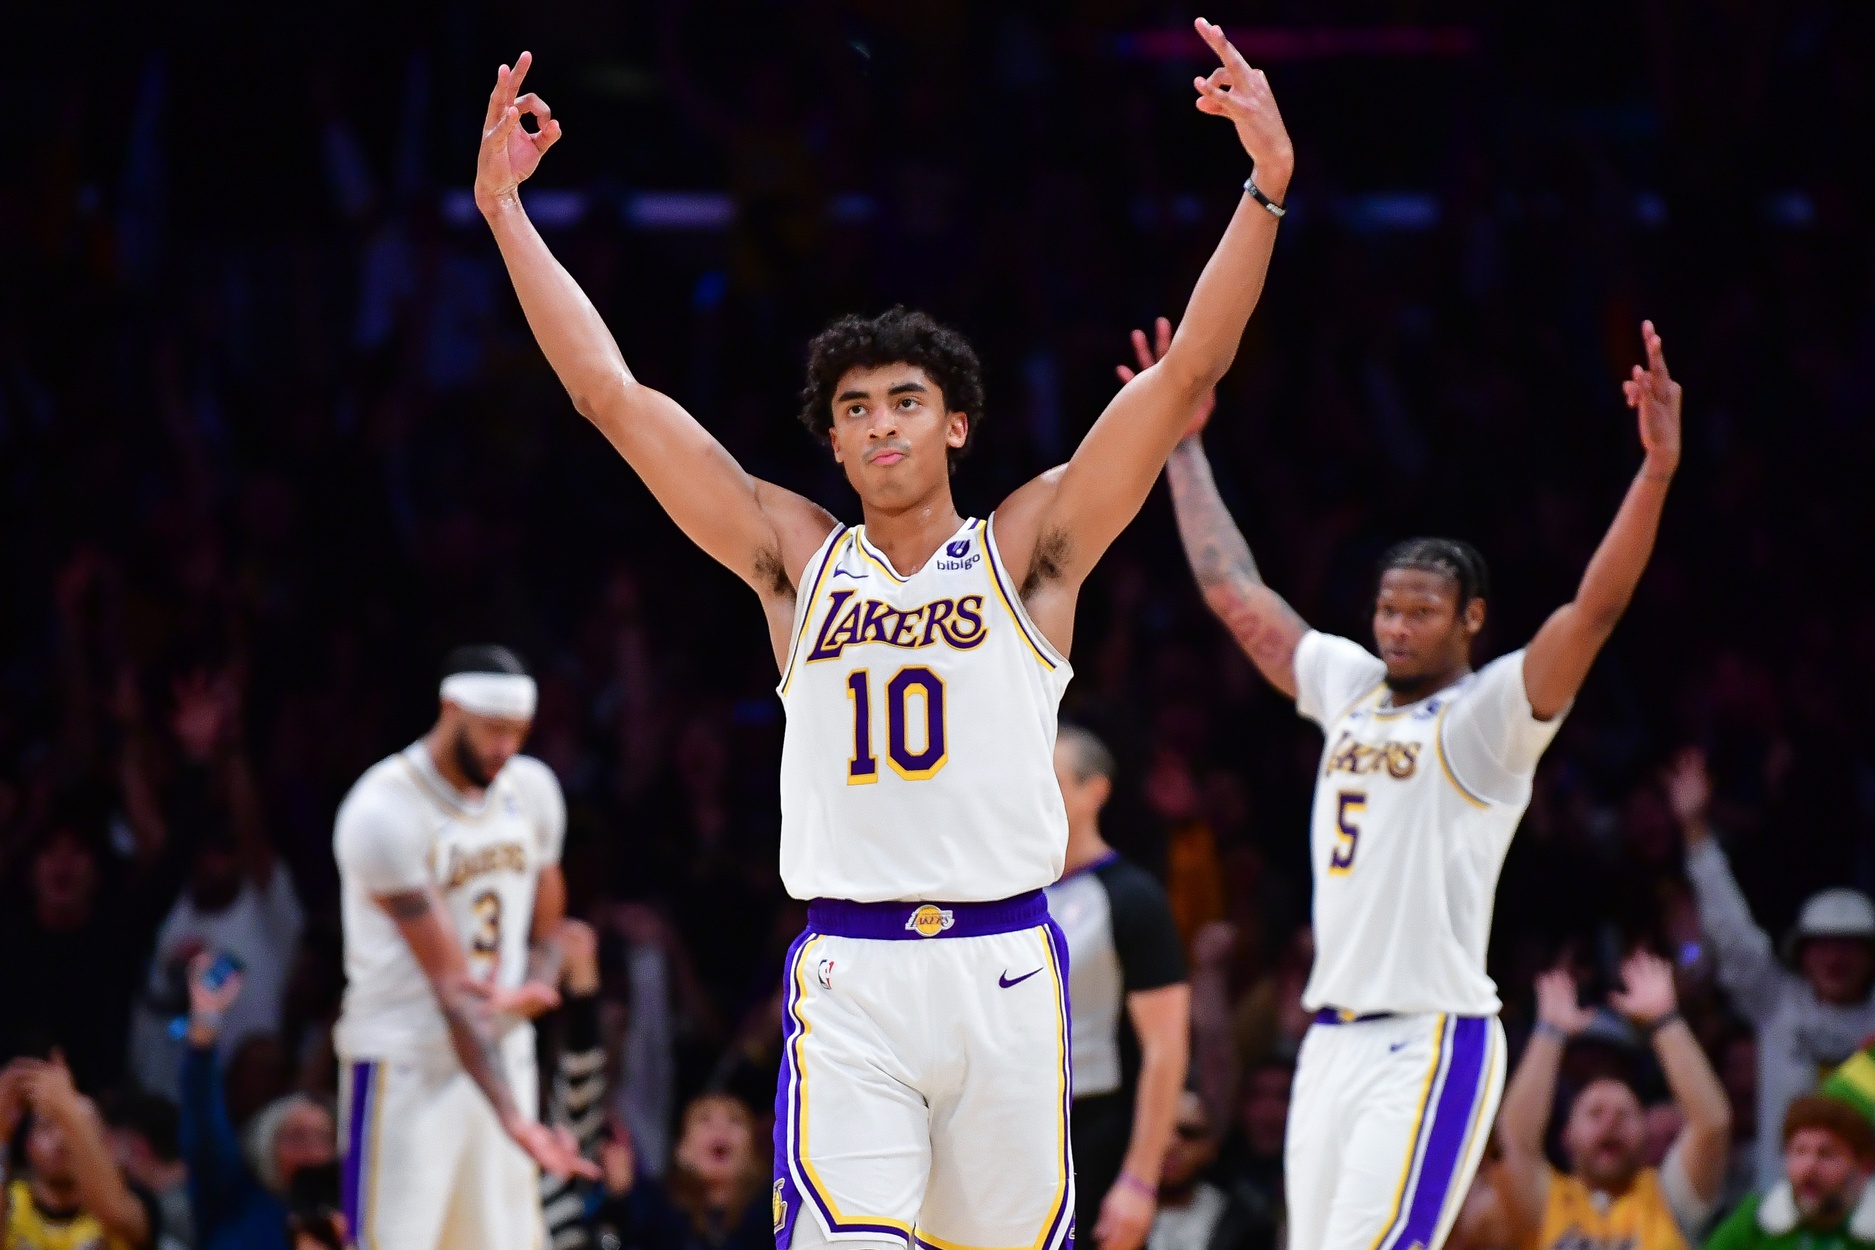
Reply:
x=918, y=762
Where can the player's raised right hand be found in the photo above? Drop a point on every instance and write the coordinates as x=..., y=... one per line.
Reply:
x=553, y=1149
x=1148, y=353
x=510, y=152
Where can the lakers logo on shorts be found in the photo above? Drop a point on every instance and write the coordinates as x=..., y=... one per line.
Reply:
x=781, y=1207
x=930, y=920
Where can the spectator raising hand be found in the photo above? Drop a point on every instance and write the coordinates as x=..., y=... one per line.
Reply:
x=1808, y=1019
x=71, y=1192
x=1609, y=1196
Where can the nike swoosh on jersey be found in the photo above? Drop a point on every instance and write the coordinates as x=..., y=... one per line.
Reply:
x=858, y=577
x=1005, y=982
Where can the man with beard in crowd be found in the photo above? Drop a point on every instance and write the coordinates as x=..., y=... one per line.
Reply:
x=1608, y=1198
x=1824, y=1201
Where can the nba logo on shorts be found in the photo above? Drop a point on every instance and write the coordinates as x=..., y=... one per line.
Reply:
x=826, y=973
x=929, y=921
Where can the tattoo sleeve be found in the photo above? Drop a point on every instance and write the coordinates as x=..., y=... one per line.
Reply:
x=543, y=961
x=1264, y=625
x=466, y=1011
x=472, y=1033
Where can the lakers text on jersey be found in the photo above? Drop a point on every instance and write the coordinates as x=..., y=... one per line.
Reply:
x=918, y=761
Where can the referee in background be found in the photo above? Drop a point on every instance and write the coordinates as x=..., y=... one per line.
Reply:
x=1132, y=1009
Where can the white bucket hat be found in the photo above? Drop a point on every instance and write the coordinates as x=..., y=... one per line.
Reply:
x=1838, y=913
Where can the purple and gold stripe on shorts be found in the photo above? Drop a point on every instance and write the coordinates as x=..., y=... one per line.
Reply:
x=354, y=1174
x=1460, y=1082
x=794, y=1170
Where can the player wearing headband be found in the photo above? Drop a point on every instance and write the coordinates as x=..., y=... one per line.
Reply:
x=450, y=885
x=1426, y=773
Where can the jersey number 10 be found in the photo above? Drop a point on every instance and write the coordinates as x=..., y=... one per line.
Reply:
x=912, y=681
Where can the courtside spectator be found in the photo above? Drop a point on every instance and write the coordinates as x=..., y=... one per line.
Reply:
x=715, y=1195
x=1609, y=1196
x=1823, y=1201
x=1199, y=1214
x=238, y=897
x=1808, y=1020
x=68, y=1193
x=239, y=1180
x=144, y=1131
x=75, y=927
x=1131, y=1008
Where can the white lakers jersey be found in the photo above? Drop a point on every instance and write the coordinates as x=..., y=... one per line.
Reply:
x=918, y=761
x=1415, y=807
x=404, y=827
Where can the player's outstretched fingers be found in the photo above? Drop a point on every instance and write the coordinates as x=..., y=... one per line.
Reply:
x=1162, y=337
x=521, y=66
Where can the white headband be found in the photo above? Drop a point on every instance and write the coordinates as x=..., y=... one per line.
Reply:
x=509, y=696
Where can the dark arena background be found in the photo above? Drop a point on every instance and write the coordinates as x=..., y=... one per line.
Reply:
x=274, y=437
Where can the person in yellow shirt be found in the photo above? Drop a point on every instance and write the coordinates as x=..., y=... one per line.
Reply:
x=72, y=1197
x=1609, y=1200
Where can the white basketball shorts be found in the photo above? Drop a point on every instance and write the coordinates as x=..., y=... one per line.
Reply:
x=425, y=1161
x=1387, y=1125
x=924, y=1088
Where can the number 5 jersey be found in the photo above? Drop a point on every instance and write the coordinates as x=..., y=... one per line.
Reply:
x=918, y=761
x=403, y=827
x=1415, y=807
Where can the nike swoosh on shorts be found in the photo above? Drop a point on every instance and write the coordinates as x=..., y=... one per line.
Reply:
x=1005, y=982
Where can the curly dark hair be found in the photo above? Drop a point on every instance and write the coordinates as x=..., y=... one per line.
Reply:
x=897, y=336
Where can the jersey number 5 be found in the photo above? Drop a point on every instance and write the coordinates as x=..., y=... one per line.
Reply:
x=914, y=680
x=1347, y=834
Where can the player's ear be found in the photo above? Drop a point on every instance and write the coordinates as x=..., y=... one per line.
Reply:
x=834, y=444
x=958, y=431
x=1474, y=616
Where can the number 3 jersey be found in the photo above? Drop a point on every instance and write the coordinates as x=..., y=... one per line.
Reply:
x=1415, y=807
x=404, y=827
x=918, y=761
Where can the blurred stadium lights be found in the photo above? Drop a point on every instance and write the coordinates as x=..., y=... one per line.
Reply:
x=1268, y=44
x=1386, y=212
x=1791, y=210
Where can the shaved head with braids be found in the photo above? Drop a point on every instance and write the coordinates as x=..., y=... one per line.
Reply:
x=1458, y=560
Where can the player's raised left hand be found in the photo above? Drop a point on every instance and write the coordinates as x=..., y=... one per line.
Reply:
x=1655, y=398
x=1241, y=93
x=510, y=152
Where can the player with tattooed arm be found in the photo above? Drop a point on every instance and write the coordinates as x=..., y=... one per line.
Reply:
x=1426, y=772
x=451, y=898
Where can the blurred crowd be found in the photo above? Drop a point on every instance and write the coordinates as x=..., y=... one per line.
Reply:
x=273, y=437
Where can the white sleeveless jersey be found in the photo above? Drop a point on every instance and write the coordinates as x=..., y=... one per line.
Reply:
x=1415, y=807
x=918, y=761
x=404, y=827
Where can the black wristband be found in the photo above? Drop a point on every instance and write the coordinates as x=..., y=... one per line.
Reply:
x=1255, y=192
x=1662, y=1023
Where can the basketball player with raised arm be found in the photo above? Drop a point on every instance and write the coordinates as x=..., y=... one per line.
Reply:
x=451, y=899
x=924, y=1090
x=1426, y=772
